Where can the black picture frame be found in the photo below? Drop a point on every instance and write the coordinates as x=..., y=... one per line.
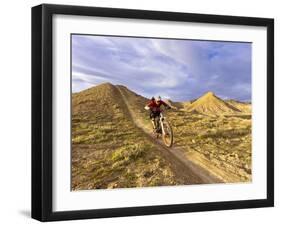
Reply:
x=42, y=107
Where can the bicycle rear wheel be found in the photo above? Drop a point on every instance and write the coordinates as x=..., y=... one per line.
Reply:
x=168, y=135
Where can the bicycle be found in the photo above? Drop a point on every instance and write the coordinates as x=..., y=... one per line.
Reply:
x=164, y=129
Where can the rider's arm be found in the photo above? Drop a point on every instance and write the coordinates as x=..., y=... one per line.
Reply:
x=169, y=106
x=148, y=106
x=150, y=103
x=165, y=104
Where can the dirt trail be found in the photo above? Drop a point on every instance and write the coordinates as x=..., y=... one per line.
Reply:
x=183, y=167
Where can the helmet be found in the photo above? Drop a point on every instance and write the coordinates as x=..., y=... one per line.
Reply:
x=158, y=98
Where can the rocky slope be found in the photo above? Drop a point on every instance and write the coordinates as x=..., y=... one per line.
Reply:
x=209, y=103
x=109, y=151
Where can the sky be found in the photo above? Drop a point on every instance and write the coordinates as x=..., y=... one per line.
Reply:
x=180, y=70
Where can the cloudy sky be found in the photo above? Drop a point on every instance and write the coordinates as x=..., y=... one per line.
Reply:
x=177, y=69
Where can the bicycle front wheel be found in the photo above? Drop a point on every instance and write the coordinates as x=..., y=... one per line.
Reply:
x=167, y=136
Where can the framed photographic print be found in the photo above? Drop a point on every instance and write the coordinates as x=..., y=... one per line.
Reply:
x=145, y=112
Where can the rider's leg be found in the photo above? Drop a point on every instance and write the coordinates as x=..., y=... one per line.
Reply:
x=153, y=123
x=156, y=121
x=152, y=117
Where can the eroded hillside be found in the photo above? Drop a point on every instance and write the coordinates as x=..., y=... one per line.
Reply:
x=214, y=133
x=110, y=151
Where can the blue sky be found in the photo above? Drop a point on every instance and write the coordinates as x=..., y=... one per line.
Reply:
x=176, y=69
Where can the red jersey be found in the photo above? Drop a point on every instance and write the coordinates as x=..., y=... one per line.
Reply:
x=154, y=106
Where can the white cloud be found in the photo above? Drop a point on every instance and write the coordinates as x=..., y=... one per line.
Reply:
x=176, y=68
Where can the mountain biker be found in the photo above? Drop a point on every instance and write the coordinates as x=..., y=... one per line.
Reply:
x=154, y=105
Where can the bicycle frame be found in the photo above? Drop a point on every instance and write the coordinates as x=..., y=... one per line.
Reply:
x=161, y=126
x=161, y=120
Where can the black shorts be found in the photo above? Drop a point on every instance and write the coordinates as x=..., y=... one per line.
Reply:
x=153, y=115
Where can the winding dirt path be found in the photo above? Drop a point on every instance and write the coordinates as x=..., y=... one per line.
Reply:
x=183, y=167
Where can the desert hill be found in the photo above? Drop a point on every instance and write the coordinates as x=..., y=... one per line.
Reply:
x=102, y=101
x=242, y=106
x=108, y=150
x=209, y=103
x=135, y=100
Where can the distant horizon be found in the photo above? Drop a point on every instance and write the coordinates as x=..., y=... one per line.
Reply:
x=180, y=70
x=158, y=95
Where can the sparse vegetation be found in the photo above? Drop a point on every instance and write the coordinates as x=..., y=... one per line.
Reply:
x=109, y=151
x=221, y=140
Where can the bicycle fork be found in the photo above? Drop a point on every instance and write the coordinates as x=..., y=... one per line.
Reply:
x=162, y=126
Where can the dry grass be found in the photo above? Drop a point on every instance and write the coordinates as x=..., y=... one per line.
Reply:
x=225, y=141
x=109, y=151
